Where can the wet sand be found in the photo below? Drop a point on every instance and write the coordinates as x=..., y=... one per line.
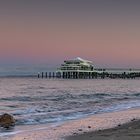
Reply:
x=129, y=131
x=89, y=126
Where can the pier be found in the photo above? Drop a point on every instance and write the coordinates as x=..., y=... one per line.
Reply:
x=90, y=75
x=79, y=68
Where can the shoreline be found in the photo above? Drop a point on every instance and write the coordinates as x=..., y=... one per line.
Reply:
x=127, y=131
x=77, y=127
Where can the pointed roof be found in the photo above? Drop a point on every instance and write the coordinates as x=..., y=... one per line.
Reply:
x=79, y=59
x=83, y=60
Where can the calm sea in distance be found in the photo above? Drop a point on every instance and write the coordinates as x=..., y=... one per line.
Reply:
x=35, y=101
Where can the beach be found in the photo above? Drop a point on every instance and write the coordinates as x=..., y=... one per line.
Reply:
x=70, y=70
x=129, y=131
x=47, y=109
x=86, y=128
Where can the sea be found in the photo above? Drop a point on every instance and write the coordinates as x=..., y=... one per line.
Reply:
x=50, y=102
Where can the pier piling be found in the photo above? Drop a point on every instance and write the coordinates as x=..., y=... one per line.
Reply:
x=42, y=74
x=38, y=75
x=89, y=75
x=46, y=74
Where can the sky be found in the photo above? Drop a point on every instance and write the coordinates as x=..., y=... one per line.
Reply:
x=50, y=31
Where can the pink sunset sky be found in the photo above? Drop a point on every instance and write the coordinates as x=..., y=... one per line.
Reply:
x=106, y=32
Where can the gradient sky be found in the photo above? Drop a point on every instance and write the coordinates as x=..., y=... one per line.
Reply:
x=49, y=31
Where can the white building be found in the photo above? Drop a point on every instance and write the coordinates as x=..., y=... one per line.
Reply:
x=76, y=68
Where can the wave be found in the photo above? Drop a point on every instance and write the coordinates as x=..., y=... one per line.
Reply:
x=65, y=115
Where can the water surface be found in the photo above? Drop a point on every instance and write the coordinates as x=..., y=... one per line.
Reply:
x=51, y=101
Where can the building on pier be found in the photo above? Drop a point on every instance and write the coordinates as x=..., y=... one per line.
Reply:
x=79, y=68
x=76, y=68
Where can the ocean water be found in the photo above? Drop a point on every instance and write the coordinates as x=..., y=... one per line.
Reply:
x=35, y=101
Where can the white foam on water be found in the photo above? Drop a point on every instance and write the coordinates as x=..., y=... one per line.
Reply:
x=99, y=121
x=10, y=133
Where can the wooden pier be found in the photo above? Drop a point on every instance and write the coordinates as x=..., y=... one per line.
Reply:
x=89, y=75
x=79, y=68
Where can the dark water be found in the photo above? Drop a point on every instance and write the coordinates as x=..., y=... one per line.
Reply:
x=43, y=101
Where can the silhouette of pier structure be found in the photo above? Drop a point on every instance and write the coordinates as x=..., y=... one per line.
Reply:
x=79, y=68
x=91, y=75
